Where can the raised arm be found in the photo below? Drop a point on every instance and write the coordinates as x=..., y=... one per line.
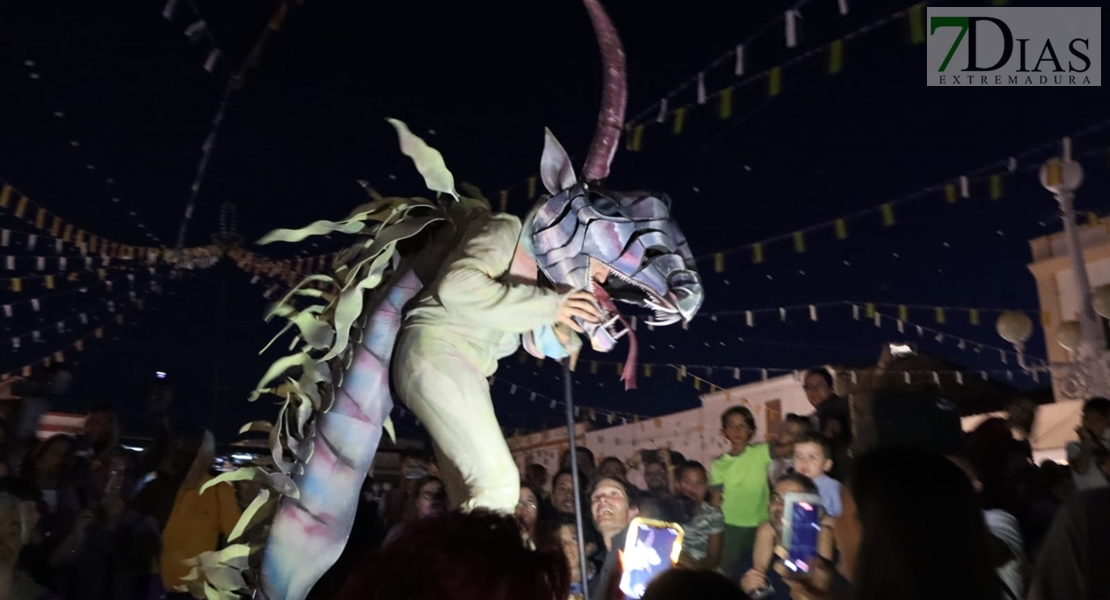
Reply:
x=475, y=286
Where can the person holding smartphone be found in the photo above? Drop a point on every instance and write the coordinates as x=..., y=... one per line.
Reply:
x=756, y=582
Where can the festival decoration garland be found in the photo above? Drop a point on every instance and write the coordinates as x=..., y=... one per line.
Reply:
x=110, y=313
x=15, y=204
x=79, y=148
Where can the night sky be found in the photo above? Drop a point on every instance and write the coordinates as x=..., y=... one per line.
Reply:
x=480, y=81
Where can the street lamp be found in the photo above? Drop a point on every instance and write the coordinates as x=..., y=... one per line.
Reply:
x=1086, y=374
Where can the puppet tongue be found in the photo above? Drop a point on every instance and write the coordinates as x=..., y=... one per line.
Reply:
x=628, y=376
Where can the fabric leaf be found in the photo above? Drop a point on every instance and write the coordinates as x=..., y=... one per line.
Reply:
x=240, y=474
x=316, y=333
x=225, y=581
x=283, y=484
x=258, y=426
x=279, y=367
x=428, y=160
x=316, y=228
x=388, y=427
x=244, y=523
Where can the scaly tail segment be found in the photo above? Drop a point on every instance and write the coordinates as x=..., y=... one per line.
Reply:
x=309, y=534
x=337, y=402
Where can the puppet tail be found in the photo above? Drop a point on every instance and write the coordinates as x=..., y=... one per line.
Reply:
x=309, y=533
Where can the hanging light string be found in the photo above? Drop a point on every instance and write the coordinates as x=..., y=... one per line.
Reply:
x=961, y=343
x=234, y=84
x=115, y=315
x=77, y=286
x=34, y=72
x=788, y=21
x=951, y=189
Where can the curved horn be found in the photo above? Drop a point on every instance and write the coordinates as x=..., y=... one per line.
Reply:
x=614, y=95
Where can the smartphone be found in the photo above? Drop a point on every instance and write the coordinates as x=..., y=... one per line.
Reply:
x=651, y=548
x=650, y=456
x=801, y=526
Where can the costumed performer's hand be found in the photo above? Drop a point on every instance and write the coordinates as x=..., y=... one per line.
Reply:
x=571, y=342
x=581, y=305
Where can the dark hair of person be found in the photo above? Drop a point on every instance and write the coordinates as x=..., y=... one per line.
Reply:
x=801, y=420
x=547, y=520
x=807, y=484
x=611, y=459
x=30, y=466
x=920, y=517
x=565, y=458
x=410, y=514
x=690, y=465
x=679, y=584
x=583, y=484
x=536, y=470
x=630, y=492
x=743, y=411
x=1097, y=405
x=810, y=437
x=823, y=373
x=474, y=556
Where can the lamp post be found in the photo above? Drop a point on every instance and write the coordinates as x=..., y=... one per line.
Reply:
x=1088, y=372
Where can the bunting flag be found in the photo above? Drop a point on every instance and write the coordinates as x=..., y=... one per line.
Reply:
x=49, y=224
x=93, y=321
x=197, y=32
x=28, y=300
x=987, y=182
x=739, y=375
x=83, y=156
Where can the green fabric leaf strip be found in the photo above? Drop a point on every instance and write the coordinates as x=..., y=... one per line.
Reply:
x=429, y=162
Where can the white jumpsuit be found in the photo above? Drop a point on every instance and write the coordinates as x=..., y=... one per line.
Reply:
x=472, y=315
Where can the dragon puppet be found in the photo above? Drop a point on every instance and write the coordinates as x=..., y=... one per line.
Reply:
x=427, y=301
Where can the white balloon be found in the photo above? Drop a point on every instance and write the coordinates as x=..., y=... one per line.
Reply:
x=1014, y=326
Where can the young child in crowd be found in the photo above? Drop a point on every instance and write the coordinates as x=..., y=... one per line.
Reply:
x=811, y=458
x=739, y=480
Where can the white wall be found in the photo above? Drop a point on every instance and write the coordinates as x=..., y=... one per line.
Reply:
x=1099, y=273
x=695, y=433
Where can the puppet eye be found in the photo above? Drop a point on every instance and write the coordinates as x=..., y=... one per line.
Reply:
x=605, y=205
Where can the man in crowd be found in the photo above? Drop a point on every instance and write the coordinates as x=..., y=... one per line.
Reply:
x=1089, y=458
x=831, y=417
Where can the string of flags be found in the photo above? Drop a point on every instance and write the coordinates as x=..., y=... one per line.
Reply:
x=63, y=326
x=80, y=287
x=15, y=204
x=743, y=73
x=95, y=331
x=234, y=84
x=879, y=318
x=727, y=99
x=987, y=182
x=82, y=154
x=740, y=376
x=196, y=30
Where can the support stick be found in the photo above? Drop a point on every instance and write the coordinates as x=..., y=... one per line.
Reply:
x=568, y=400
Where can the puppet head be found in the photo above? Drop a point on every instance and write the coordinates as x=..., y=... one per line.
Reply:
x=644, y=256
x=582, y=230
